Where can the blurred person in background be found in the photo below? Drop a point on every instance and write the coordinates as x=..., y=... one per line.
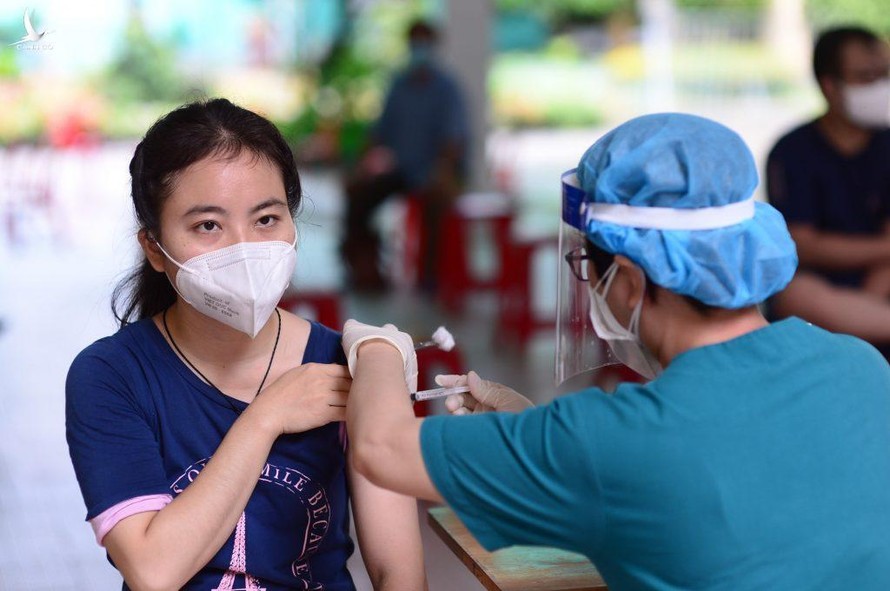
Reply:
x=417, y=147
x=757, y=457
x=206, y=433
x=830, y=178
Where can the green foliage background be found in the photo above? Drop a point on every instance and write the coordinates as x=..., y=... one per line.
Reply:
x=561, y=12
x=340, y=94
x=872, y=14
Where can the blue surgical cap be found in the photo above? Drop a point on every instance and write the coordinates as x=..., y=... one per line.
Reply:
x=680, y=161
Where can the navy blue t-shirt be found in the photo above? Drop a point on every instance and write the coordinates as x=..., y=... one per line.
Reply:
x=139, y=422
x=809, y=182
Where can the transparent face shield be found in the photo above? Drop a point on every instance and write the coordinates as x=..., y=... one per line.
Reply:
x=579, y=351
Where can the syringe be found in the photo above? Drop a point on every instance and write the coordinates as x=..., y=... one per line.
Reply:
x=438, y=393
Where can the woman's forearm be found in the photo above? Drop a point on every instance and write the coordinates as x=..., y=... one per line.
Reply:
x=388, y=531
x=153, y=553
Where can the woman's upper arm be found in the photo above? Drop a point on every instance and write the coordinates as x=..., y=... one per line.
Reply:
x=388, y=533
x=395, y=461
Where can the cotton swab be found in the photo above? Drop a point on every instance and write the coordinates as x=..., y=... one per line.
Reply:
x=441, y=339
x=444, y=341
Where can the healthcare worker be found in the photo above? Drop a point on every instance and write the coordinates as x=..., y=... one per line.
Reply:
x=757, y=457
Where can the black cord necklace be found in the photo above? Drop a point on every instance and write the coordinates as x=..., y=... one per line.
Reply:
x=198, y=371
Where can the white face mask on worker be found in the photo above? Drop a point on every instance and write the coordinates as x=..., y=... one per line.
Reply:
x=239, y=285
x=868, y=105
x=625, y=343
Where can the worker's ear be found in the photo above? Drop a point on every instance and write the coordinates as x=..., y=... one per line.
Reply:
x=634, y=280
x=152, y=251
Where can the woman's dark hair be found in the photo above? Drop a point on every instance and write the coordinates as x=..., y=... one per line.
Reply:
x=602, y=260
x=177, y=140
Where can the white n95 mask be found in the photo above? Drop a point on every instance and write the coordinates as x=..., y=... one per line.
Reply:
x=239, y=285
x=625, y=343
x=868, y=105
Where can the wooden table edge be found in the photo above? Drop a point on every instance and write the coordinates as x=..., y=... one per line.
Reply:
x=480, y=573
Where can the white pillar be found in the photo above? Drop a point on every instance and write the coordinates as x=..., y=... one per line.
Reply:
x=657, y=28
x=788, y=36
x=466, y=46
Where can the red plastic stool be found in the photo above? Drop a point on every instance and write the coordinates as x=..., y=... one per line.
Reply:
x=517, y=318
x=412, y=243
x=320, y=305
x=456, y=275
x=431, y=362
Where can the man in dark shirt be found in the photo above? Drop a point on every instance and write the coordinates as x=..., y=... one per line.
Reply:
x=830, y=178
x=417, y=147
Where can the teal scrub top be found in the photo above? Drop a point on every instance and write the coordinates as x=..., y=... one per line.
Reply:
x=759, y=463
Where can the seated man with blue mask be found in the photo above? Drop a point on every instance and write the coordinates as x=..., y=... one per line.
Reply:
x=417, y=147
x=757, y=457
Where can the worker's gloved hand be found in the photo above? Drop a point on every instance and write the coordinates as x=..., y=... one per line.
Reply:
x=355, y=333
x=484, y=396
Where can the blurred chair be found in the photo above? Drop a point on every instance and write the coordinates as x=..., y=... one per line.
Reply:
x=472, y=215
x=518, y=320
x=492, y=213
